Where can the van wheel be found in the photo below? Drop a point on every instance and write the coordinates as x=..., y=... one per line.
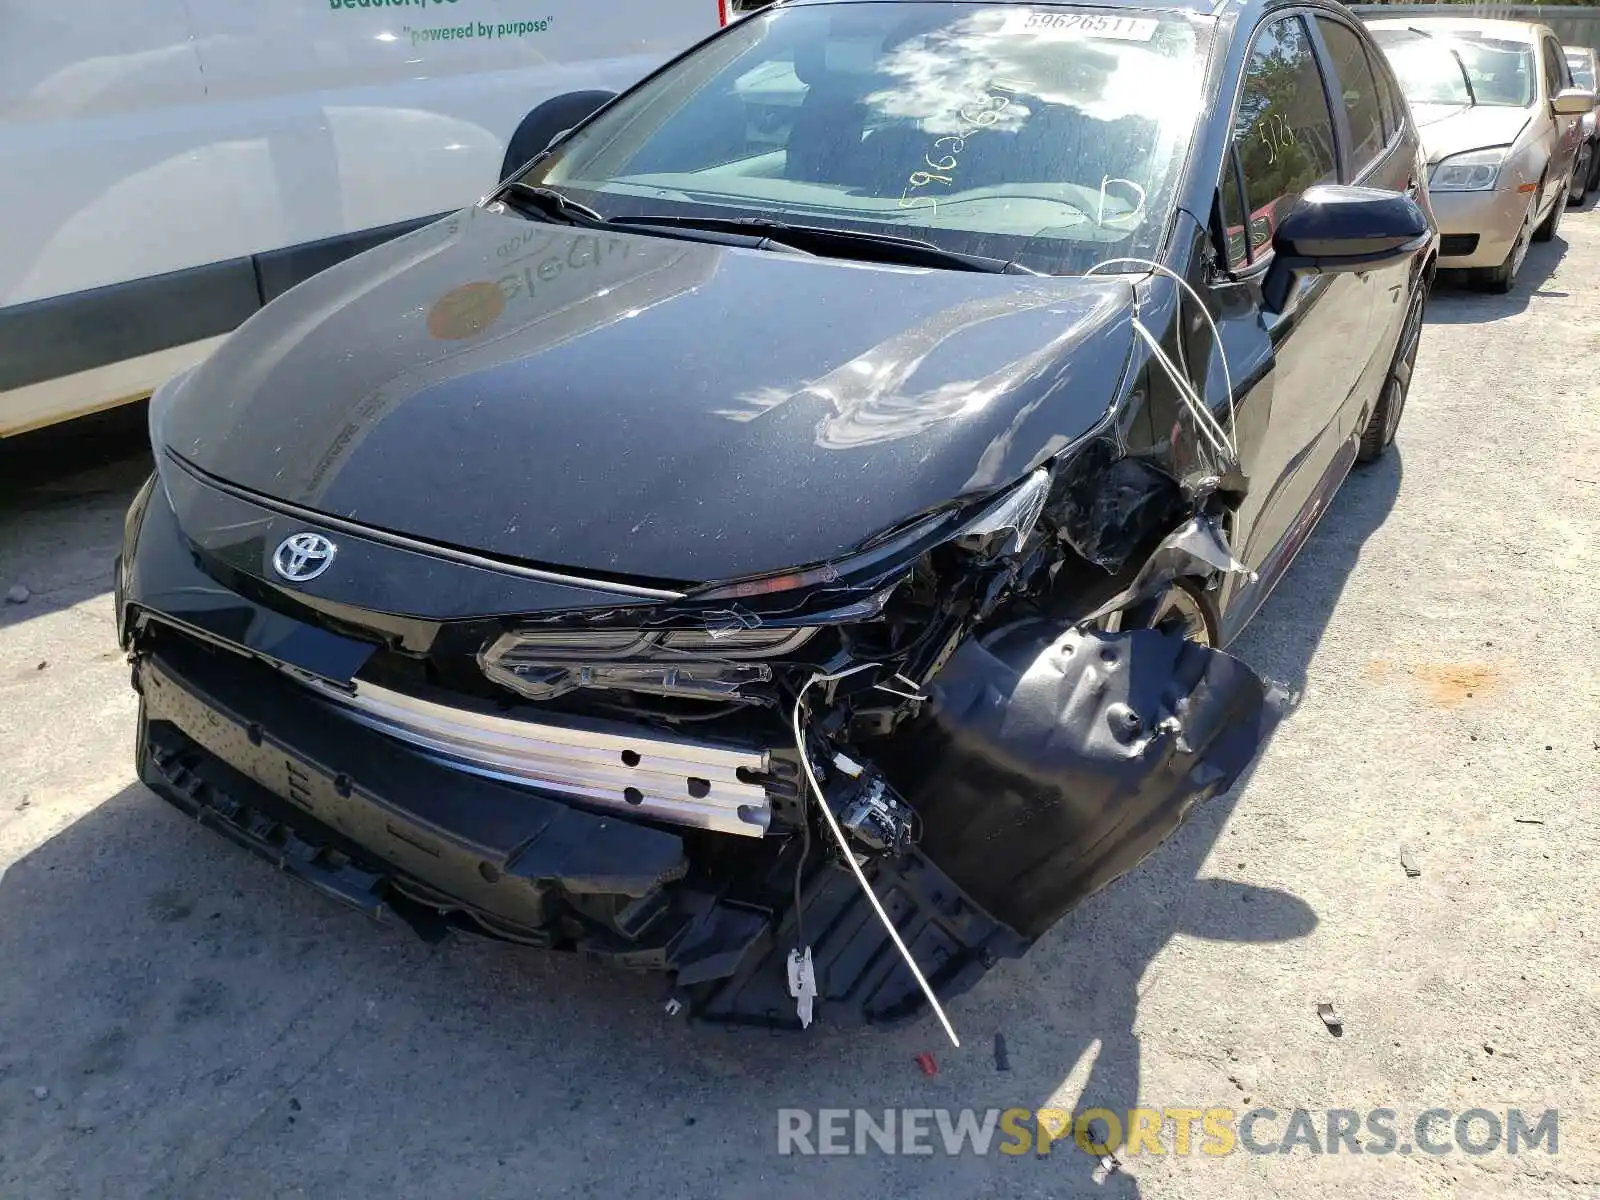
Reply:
x=554, y=116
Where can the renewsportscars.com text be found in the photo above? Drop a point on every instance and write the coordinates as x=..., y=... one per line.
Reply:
x=1208, y=1131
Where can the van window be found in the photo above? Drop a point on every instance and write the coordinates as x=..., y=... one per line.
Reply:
x=1284, y=130
x=1359, y=91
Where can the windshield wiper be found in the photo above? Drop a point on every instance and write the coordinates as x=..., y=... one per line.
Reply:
x=548, y=202
x=1461, y=64
x=840, y=243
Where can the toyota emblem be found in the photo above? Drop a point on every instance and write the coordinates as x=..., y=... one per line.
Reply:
x=301, y=557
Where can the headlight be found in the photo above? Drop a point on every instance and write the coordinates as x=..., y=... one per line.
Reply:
x=1475, y=171
x=708, y=664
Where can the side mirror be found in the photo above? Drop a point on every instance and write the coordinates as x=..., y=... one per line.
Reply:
x=552, y=120
x=1334, y=228
x=1572, y=102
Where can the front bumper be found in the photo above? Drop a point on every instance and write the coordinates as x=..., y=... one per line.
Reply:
x=1047, y=763
x=395, y=832
x=1493, y=218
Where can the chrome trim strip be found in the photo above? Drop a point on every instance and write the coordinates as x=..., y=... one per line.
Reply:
x=576, y=758
x=464, y=557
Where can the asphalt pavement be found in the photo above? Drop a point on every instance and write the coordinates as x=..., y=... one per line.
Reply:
x=177, y=1020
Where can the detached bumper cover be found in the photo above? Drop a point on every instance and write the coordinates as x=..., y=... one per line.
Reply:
x=381, y=826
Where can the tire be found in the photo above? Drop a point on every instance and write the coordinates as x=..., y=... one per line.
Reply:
x=554, y=116
x=1551, y=223
x=1385, y=419
x=1594, y=168
x=1582, y=168
x=1182, y=608
x=1503, y=278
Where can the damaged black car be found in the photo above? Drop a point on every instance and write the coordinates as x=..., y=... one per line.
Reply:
x=785, y=536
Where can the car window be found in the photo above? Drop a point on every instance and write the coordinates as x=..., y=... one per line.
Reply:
x=1052, y=136
x=1396, y=110
x=1555, y=68
x=1283, y=131
x=1358, y=90
x=1582, y=75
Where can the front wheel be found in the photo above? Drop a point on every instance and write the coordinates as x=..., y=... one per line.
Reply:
x=1503, y=278
x=1385, y=419
x=1182, y=609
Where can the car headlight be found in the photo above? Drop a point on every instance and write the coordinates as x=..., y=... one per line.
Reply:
x=1474, y=171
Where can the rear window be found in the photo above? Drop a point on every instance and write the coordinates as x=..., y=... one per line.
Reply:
x=1052, y=136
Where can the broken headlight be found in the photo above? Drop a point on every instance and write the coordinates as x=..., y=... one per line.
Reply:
x=712, y=664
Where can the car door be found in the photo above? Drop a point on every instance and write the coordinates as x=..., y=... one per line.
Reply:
x=1378, y=154
x=1288, y=432
x=1568, y=130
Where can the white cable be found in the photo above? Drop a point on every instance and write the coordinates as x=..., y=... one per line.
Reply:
x=1216, y=334
x=1204, y=421
x=849, y=857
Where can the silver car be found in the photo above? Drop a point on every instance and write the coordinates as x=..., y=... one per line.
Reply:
x=1500, y=122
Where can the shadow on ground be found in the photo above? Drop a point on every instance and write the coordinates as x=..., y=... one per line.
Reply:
x=1458, y=300
x=200, y=1025
x=63, y=493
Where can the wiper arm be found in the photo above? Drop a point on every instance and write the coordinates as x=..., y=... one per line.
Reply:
x=851, y=243
x=549, y=203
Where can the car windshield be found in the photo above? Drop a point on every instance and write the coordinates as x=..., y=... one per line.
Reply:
x=1459, y=66
x=1428, y=70
x=1051, y=137
x=1582, y=72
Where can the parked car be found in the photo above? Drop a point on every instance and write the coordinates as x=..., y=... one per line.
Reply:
x=797, y=561
x=1581, y=61
x=171, y=167
x=1500, y=119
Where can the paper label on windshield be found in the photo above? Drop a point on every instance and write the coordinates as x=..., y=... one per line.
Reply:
x=1080, y=24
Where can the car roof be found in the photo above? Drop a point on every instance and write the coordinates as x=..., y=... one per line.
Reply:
x=1511, y=31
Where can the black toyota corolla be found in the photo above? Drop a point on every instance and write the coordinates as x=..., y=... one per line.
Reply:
x=786, y=534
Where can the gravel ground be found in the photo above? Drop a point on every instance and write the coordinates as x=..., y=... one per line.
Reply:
x=176, y=1020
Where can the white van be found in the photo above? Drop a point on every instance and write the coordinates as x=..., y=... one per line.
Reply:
x=167, y=167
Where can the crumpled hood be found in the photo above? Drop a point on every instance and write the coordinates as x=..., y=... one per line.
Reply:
x=641, y=406
x=1448, y=129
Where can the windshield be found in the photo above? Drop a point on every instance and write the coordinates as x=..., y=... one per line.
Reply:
x=1459, y=66
x=1428, y=70
x=1051, y=137
x=1582, y=71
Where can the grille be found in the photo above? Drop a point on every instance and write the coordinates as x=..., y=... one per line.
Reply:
x=1457, y=245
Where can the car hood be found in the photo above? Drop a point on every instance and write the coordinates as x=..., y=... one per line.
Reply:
x=1448, y=129
x=642, y=406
